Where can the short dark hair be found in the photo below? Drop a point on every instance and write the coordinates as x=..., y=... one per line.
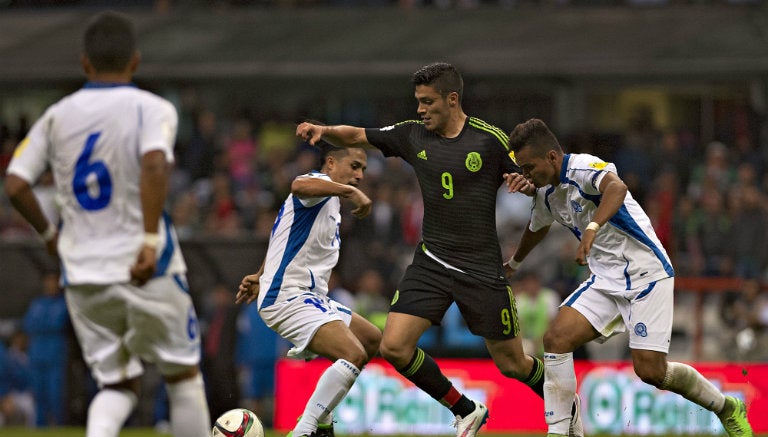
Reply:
x=109, y=42
x=443, y=76
x=327, y=149
x=536, y=134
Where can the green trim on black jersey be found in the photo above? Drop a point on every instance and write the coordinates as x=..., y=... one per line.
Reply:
x=491, y=129
x=408, y=121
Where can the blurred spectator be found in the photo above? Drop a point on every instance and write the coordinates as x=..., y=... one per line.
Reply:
x=219, y=348
x=370, y=299
x=660, y=205
x=745, y=315
x=714, y=174
x=674, y=157
x=17, y=407
x=338, y=292
x=631, y=159
x=456, y=338
x=683, y=259
x=47, y=323
x=709, y=237
x=185, y=213
x=240, y=152
x=223, y=217
x=258, y=349
x=537, y=305
x=198, y=158
x=7, y=146
x=747, y=248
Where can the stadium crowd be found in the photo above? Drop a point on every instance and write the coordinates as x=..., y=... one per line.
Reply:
x=707, y=202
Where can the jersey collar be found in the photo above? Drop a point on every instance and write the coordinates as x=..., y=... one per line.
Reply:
x=564, y=167
x=93, y=85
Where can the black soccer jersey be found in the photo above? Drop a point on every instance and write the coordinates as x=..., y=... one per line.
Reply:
x=459, y=179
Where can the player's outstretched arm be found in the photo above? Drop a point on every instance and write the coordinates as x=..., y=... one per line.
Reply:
x=528, y=241
x=303, y=187
x=339, y=135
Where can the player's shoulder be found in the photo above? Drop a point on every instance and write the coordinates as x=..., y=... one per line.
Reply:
x=496, y=133
x=405, y=124
x=314, y=174
x=153, y=99
x=585, y=161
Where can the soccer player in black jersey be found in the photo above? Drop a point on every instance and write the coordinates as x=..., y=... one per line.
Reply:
x=460, y=163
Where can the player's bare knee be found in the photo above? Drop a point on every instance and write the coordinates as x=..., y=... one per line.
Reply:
x=651, y=375
x=372, y=345
x=395, y=354
x=132, y=385
x=556, y=343
x=513, y=370
x=185, y=374
x=359, y=361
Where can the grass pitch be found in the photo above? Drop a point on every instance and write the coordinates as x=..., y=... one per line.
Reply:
x=149, y=432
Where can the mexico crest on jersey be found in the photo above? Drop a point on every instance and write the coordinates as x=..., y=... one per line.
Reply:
x=474, y=161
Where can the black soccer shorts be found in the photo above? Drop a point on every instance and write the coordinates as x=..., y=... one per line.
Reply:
x=428, y=288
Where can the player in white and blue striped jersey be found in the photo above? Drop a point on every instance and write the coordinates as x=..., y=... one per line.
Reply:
x=291, y=288
x=110, y=147
x=631, y=286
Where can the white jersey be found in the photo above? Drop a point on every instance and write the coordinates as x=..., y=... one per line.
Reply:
x=626, y=253
x=93, y=140
x=303, y=248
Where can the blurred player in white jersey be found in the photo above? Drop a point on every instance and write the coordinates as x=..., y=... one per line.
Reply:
x=110, y=146
x=632, y=281
x=291, y=288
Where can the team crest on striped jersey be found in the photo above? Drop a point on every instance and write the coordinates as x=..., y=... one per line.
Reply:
x=474, y=161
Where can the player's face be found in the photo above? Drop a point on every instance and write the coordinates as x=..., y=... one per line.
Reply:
x=348, y=169
x=434, y=109
x=539, y=170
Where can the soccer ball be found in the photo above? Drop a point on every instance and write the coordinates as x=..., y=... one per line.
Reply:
x=238, y=423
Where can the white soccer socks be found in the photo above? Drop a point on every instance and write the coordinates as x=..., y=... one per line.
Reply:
x=108, y=412
x=690, y=384
x=559, y=391
x=189, y=408
x=333, y=385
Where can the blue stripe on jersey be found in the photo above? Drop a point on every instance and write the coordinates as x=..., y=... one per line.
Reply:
x=624, y=221
x=626, y=276
x=94, y=85
x=564, y=167
x=165, y=257
x=344, y=310
x=549, y=191
x=581, y=290
x=595, y=198
x=646, y=291
x=181, y=281
x=303, y=219
x=63, y=280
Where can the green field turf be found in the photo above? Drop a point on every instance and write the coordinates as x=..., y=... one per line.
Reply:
x=149, y=432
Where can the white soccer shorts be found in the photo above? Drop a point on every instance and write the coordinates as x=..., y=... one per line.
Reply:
x=298, y=319
x=118, y=325
x=646, y=312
